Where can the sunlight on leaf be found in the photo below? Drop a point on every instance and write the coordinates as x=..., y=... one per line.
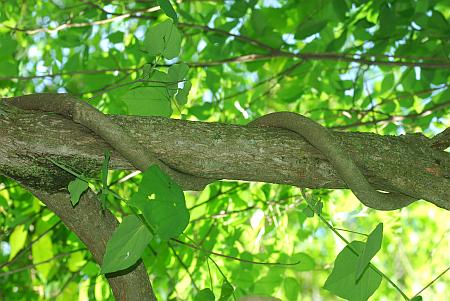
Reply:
x=163, y=39
x=166, y=211
x=148, y=101
x=341, y=281
x=372, y=246
x=17, y=240
x=205, y=295
x=168, y=9
x=226, y=291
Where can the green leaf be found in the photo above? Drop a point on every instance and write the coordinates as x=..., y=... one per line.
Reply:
x=205, y=295
x=148, y=101
x=338, y=43
x=162, y=203
x=340, y=8
x=126, y=245
x=177, y=72
x=341, y=281
x=226, y=291
x=439, y=22
x=386, y=20
x=42, y=250
x=8, y=68
x=76, y=189
x=318, y=207
x=306, y=262
x=237, y=10
x=291, y=288
x=309, y=28
x=17, y=240
x=372, y=246
x=8, y=46
x=167, y=8
x=417, y=298
x=387, y=83
x=182, y=95
x=163, y=39
x=308, y=212
x=116, y=37
x=76, y=261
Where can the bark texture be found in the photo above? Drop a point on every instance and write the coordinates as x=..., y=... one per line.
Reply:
x=406, y=164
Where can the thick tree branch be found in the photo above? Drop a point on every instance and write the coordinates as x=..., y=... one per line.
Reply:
x=442, y=140
x=94, y=227
x=404, y=164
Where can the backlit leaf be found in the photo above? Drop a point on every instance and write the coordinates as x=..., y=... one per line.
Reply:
x=372, y=246
x=163, y=39
x=162, y=203
x=148, y=101
x=205, y=295
x=167, y=8
x=226, y=291
x=341, y=281
x=17, y=240
x=42, y=250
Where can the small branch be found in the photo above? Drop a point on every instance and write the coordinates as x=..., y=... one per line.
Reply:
x=186, y=268
x=215, y=196
x=81, y=24
x=30, y=266
x=351, y=248
x=273, y=52
x=435, y=108
x=433, y=281
x=231, y=257
x=224, y=214
x=226, y=33
x=68, y=73
x=263, y=81
x=21, y=252
x=346, y=57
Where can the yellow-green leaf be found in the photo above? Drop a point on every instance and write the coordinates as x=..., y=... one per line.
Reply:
x=17, y=240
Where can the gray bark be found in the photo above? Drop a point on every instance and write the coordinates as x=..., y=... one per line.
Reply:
x=405, y=164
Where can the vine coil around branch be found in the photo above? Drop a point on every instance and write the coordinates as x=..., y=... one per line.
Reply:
x=142, y=157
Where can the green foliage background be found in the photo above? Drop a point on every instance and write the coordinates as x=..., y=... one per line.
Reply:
x=380, y=66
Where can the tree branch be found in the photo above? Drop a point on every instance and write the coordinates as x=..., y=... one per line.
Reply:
x=94, y=227
x=405, y=164
x=393, y=118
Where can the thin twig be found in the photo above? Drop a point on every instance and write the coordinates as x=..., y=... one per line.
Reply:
x=231, y=257
x=21, y=252
x=30, y=266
